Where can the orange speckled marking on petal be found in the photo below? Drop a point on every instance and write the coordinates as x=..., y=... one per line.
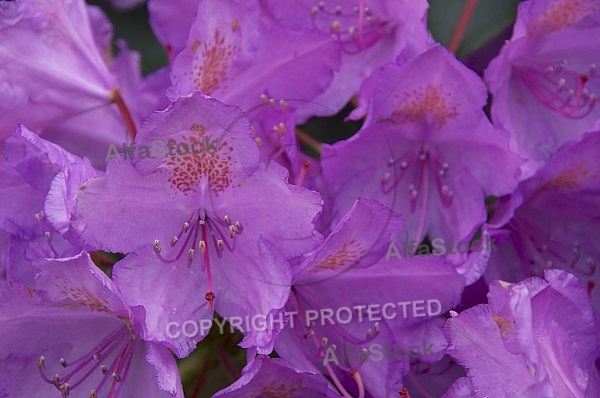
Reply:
x=188, y=170
x=504, y=325
x=560, y=14
x=423, y=101
x=215, y=58
x=276, y=390
x=84, y=297
x=350, y=252
x=570, y=178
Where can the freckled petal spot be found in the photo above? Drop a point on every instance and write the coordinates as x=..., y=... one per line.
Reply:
x=187, y=170
x=276, y=390
x=214, y=60
x=85, y=298
x=503, y=324
x=428, y=100
x=570, y=178
x=349, y=253
x=561, y=14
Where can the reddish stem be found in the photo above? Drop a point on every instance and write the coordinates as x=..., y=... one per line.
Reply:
x=127, y=118
x=202, y=377
x=461, y=26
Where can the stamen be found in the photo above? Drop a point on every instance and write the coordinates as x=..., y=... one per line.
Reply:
x=239, y=227
x=120, y=340
x=560, y=89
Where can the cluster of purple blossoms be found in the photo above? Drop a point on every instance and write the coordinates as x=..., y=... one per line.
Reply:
x=113, y=269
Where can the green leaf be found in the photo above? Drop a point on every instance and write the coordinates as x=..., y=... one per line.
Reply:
x=490, y=18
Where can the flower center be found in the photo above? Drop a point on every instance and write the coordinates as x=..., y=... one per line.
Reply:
x=419, y=164
x=198, y=236
x=561, y=89
x=355, y=28
x=542, y=250
x=111, y=357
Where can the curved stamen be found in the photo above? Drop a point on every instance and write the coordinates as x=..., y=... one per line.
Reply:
x=355, y=31
x=543, y=251
x=201, y=228
x=84, y=366
x=560, y=89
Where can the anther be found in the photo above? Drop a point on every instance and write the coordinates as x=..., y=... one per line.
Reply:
x=116, y=377
x=390, y=161
x=352, y=31
x=64, y=389
x=63, y=362
x=41, y=361
x=96, y=357
x=403, y=164
x=227, y=219
x=338, y=10
x=283, y=104
x=263, y=98
x=103, y=369
x=324, y=341
x=335, y=27
x=191, y=254
x=186, y=226
x=272, y=103
x=232, y=231
x=201, y=246
x=93, y=394
x=321, y=5
x=174, y=240
x=40, y=216
x=47, y=235
x=239, y=226
x=220, y=244
x=561, y=84
x=157, y=245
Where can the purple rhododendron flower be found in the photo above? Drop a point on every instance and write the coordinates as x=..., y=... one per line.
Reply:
x=445, y=155
x=240, y=54
x=551, y=219
x=378, y=298
x=544, y=82
x=73, y=77
x=369, y=34
x=199, y=232
x=73, y=334
x=537, y=338
x=36, y=201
